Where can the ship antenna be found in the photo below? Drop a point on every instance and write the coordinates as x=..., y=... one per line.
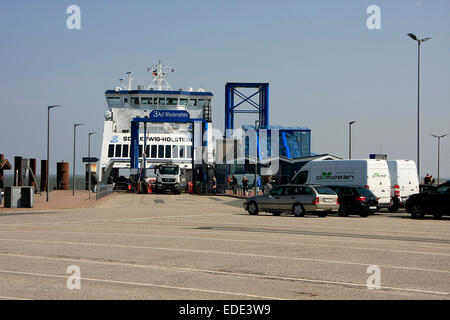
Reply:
x=130, y=79
x=160, y=82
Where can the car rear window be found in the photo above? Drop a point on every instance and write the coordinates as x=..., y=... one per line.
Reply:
x=324, y=190
x=364, y=192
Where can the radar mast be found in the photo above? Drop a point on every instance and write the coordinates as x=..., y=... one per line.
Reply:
x=160, y=82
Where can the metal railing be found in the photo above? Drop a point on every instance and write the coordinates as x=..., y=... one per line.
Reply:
x=103, y=191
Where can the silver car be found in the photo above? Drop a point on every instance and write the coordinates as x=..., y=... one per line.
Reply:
x=296, y=199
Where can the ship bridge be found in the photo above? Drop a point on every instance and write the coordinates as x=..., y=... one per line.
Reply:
x=165, y=142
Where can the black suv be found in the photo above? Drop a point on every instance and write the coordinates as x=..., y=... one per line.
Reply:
x=435, y=201
x=355, y=200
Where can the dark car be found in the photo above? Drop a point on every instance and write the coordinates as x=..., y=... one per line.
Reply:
x=355, y=200
x=435, y=201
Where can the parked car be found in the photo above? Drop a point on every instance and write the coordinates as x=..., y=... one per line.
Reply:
x=296, y=199
x=355, y=200
x=435, y=201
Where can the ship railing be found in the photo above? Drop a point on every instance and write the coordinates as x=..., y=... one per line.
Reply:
x=103, y=191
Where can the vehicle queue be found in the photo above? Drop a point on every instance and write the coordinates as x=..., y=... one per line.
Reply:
x=353, y=187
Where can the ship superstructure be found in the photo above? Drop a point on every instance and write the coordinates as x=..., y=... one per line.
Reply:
x=165, y=142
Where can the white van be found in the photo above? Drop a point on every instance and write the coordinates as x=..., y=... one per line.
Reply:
x=404, y=181
x=371, y=173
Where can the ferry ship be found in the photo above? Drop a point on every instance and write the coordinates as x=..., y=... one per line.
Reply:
x=165, y=142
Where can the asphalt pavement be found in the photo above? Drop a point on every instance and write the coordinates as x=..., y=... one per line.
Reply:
x=204, y=247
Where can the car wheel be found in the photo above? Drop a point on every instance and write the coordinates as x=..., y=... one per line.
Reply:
x=252, y=208
x=343, y=211
x=276, y=213
x=364, y=214
x=298, y=210
x=417, y=211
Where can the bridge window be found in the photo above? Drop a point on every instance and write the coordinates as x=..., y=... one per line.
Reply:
x=140, y=150
x=192, y=102
x=125, y=151
x=110, y=151
x=188, y=152
x=154, y=153
x=182, y=151
x=118, y=150
x=114, y=101
x=175, y=151
x=162, y=101
x=125, y=100
x=147, y=151
x=134, y=100
x=172, y=101
x=160, y=151
x=146, y=100
x=183, y=102
x=169, y=151
x=201, y=103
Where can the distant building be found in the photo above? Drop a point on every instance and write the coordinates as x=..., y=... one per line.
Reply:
x=291, y=154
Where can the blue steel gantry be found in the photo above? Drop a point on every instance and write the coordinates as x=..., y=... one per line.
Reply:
x=262, y=107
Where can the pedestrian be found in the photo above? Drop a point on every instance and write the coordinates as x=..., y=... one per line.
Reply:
x=228, y=183
x=234, y=183
x=214, y=186
x=433, y=181
x=267, y=186
x=245, y=185
x=94, y=182
x=1, y=189
x=427, y=179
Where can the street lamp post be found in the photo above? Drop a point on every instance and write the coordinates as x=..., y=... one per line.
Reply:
x=74, y=143
x=89, y=156
x=256, y=157
x=439, y=151
x=350, y=139
x=48, y=143
x=419, y=41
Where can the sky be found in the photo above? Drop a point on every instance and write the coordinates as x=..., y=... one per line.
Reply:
x=324, y=65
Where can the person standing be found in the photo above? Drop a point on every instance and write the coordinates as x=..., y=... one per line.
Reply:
x=1, y=190
x=234, y=183
x=245, y=185
x=432, y=180
x=427, y=179
x=94, y=182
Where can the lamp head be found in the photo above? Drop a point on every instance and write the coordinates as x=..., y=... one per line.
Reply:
x=412, y=36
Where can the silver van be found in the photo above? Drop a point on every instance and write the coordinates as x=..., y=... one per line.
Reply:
x=296, y=199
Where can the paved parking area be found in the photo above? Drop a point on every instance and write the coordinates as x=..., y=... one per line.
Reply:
x=200, y=247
